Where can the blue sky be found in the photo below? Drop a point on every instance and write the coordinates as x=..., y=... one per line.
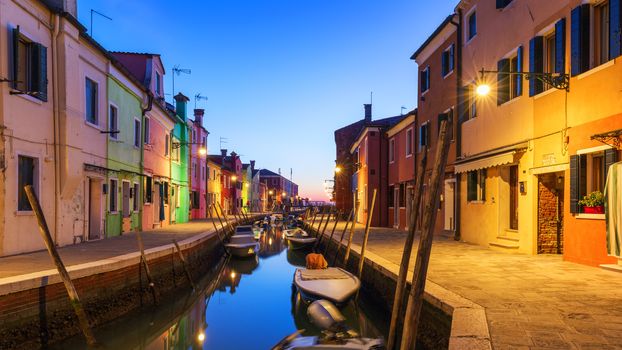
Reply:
x=280, y=75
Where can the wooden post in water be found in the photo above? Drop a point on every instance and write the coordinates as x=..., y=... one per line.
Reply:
x=343, y=233
x=60, y=266
x=319, y=240
x=321, y=220
x=347, y=255
x=415, y=298
x=367, y=226
x=330, y=240
x=185, y=265
x=222, y=225
x=224, y=215
x=314, y=215
x=211, y=216
x=143, y=260
x=408, y=246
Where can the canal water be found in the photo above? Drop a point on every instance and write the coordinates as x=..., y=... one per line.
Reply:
x=241, y=304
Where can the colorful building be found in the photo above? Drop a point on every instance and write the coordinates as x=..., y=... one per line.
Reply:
x=214, y=186
x=401, y=170
x=179, y=201
x=437, y=96
x=247, y=190
x=198, y=168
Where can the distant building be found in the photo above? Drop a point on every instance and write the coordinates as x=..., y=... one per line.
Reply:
x=197, y=166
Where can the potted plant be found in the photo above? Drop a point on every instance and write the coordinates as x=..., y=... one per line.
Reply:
x=593, y=203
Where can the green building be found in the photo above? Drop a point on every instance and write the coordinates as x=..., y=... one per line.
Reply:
x=180, y=189
x=123, y=207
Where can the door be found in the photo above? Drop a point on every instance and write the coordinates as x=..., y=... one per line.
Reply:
x=449, y=205
x=156, y=204
x=396, y=206
x=174, y=196
x=550, y=213
x=95, y=208
x=125, y=192
x=514, y=197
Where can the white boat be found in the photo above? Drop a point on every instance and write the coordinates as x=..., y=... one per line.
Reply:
x=244, y=230
x=242, y=245
x=333, y=284
x=299, y=238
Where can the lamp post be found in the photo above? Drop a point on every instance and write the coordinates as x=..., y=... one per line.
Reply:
x=560, y=81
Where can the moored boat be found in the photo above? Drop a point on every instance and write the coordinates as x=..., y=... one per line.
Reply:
x=299, y=239
x=333, y=284
x=242, y=245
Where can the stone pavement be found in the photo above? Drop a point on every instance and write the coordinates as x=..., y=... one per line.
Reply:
x=101, y=249
x=531, y=302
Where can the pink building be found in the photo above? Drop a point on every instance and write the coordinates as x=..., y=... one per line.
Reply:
x=197, y=172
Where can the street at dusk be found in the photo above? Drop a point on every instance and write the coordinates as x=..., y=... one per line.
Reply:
x=311, y=174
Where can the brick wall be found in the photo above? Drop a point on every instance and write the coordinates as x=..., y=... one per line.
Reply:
x=550, y=233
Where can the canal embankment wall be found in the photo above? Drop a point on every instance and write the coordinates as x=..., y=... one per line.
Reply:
x=35, y=309
x=448, y=320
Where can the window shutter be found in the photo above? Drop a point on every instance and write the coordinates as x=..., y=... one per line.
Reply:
x=503, y=81
x=615, y=26
x=611, y=156
x=574, y=184
x=41, y=70
x=536, y=64
x=560, y=46
x=519, y=78
x=15, y=56
x=579, y=39
x=463, y=101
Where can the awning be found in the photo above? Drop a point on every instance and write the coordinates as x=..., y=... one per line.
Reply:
x=483, y=163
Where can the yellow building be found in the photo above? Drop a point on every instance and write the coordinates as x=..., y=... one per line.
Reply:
x=213, y=185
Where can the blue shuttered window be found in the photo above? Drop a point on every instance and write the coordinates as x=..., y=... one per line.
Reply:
x=560, y=46
x=580, y=39
x=536, y=64
x=615, y=28
x=503, y=81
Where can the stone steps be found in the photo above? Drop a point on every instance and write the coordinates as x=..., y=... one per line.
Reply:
x=505, y=242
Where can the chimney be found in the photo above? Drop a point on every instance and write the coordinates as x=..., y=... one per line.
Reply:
x=252, y=165
x=198, y=116
x=367, y=112
x=223, y=152
x=180, y=103
x=69, y=6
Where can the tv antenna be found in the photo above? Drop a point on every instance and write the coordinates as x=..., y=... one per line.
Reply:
x=97, y=13
x=198, y=97
x=223, y=140
x=177, y=71
x=402, y=110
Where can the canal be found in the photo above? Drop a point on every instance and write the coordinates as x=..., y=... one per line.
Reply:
x=240, y=304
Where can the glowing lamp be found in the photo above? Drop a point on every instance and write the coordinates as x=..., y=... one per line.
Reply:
x=337, y=169
x=270, y=192
x=202, y=151
x=232, y=274
x=483, y=89
x=201, y=337
x=234, y=178
x=284, y=194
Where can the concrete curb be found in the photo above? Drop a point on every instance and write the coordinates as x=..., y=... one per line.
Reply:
x=39, y=279
x=469, y=325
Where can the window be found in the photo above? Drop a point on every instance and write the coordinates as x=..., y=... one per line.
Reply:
x=27, y=174
x=447, y=116
x=29, y=66
x=203, y=173
x=147, y=131
x=476, y=185
x=165, y=192
x=425, y=79
x=588, y=173
x=175, y=155
x=447, y=60
x=409, y=142
x=136, y=133
x=424, y=136
x=391, y=196
x=549, y=56
x=204, y=140
x=135, y=193
x=516, y=81
x=194, y=170
x=503, y=3
x=158, y=86
x=402, y=195
x=113, y=191
x=148, y=189
x=471, y=101
x=91, y=101
x=113, y=122
x=392, y=150
x=509, y=86
x=601, y=33
x=471, y=25
x=167, y=147
x=195, y=200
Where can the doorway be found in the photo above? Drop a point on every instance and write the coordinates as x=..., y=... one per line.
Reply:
x=550, y=213
x=410, y=197
x=157, y=204
x=95, y=188
x=449, y=205
x=514, y=197
x=396, y=205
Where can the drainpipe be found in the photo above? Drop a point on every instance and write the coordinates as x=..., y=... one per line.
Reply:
x=56, y=116
x=460, y=116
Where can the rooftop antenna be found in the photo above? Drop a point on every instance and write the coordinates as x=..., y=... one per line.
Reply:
x=223, y=140
x=402, y=110
x=198, y=97
x=178, y=71
x=98, y=13
x=371, y=97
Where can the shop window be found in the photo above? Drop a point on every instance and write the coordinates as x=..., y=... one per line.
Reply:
x=476, y=185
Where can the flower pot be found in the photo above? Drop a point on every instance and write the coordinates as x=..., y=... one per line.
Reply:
x=594, y=210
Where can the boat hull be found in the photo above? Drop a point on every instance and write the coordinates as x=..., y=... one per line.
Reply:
x=242, y=250
x=338, y=291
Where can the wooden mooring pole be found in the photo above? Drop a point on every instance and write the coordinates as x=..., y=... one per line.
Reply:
x=222, y=225
x=60, y=266
x=314, y=215
x=367, y=226
x=143, y=261
x=330, y=240
x=415, y=298
x=321, y=235
x=408, y=246
x=343, y=233
x=224, y=215
x=211, y=216
x=347, y=255
x=184, y=264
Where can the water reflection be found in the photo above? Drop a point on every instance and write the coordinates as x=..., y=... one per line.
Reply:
x=243, y=304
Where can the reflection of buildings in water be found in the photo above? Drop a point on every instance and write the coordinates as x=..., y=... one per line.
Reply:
x=297, y=257
x=187, y=332
x=271, y=243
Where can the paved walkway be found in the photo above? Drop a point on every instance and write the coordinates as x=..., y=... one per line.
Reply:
x=531, y=302
x=101, y=249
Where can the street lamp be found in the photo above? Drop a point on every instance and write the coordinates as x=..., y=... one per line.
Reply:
x=337, y=169
x=234, y=178
x=284, y=194
x=202, y=149
x=560, y=81
x=270, y=192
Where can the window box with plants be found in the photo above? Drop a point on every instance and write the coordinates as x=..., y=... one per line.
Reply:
x=593, y=203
